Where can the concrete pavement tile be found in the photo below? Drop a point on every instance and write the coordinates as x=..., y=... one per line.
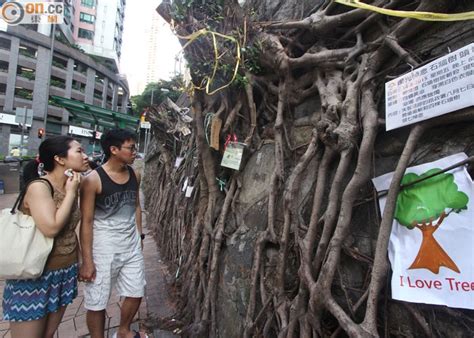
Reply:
x=80, y=290
x=67, y=329
x=114, y=297
x=113, y=314
x=163, y=334
x=72, y=309
x=81, y=325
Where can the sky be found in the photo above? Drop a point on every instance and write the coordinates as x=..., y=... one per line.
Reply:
x=138, y=15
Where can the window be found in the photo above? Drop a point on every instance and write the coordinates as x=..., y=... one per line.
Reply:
x=26, y=72
x=59, y=62
x=84, y=17
x=80, y=67
x=88, y=3
x=57, y=82
x=78, y=86
x=27, y=51
x=86, y=34
x=97, y=94
x=3, y=66
x=24, y=93
x=5, y=44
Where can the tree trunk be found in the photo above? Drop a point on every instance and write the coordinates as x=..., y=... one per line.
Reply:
x=431, y=255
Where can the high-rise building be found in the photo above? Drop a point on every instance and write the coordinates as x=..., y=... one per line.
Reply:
x=153, y=50
x=98, y=28
x=72, y=91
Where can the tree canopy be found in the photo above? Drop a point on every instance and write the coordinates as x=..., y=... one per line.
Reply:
x=155, y=92
x=426, y=200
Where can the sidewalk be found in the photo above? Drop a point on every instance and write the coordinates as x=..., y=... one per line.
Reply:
x=155, y=302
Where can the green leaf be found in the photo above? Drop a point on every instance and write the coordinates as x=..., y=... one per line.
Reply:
x=426, y=200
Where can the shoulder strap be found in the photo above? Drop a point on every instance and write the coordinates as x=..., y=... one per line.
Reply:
x=21, y=196
x=132, y=174
x=102, y=174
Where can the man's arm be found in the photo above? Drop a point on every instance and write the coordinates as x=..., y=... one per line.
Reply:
x=138, y=210
x=89, y=189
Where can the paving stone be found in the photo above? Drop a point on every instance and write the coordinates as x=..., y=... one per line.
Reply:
x=81, y=325
x=163, y=334
x=113, y=312
x=67, y=329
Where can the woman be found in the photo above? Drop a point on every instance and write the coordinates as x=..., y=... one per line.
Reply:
x=35, y=307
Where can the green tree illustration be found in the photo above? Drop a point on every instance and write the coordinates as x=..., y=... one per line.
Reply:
x=423, y=203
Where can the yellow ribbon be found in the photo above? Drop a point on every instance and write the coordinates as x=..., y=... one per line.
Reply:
x=209, y=79
x=425, y=16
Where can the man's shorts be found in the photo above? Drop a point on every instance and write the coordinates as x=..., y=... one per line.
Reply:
x=125, y=270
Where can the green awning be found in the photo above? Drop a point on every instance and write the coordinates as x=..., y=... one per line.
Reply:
x=131, y=127
x=97, y=115
x=82, y=116
x=107, y=123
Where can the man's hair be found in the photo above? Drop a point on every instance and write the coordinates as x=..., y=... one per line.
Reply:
x=115, y=137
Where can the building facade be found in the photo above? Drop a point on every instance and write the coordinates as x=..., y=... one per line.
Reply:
x=98, y=27
x=25, y=66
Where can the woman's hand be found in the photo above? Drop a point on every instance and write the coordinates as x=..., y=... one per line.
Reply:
x=87, y=272
x=73, y=182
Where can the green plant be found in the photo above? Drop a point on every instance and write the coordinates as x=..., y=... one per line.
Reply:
x=28, y=75
x=58, y=64
x=23, y=93
x=77, y=47
x=27, y=53
x=53, y=103
x=180, y=8
x=241, y=81
x=251, y=54
x=58, y=84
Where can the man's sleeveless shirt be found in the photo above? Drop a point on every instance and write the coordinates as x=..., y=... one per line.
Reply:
x=115, y=229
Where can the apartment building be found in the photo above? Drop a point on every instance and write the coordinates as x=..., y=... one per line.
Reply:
x=98, y=28
x=97, y=93
x=85, y=91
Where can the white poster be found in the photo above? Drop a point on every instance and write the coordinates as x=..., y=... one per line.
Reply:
x=439, y=87
x=233, y=156
x=431, y=247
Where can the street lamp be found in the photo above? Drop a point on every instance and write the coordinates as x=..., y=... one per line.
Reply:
x=48, y=77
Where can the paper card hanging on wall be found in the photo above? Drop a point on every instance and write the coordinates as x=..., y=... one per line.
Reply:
x=233, y=156
x=185, y=185
x=431, y=244
x=178, y=161
x=215, y=132
x=189, y=191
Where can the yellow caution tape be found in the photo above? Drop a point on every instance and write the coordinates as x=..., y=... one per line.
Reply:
x=425, y=16
x=209, y=79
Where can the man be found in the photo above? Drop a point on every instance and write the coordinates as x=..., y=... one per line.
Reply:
x=15, y=152
x=111, y=234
